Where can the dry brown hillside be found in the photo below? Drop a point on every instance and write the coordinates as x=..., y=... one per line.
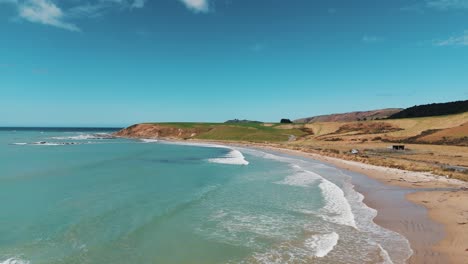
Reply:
x=445, y=130
x=352, y=116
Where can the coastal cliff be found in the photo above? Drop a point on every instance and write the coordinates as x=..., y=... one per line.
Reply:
x=157, y=131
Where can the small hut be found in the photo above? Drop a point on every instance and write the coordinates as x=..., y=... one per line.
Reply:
x=398, y=147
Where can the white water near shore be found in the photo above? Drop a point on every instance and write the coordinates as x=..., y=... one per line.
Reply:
x=14, y=261
x=344, y=204
x=234, y=156
x=322, y=244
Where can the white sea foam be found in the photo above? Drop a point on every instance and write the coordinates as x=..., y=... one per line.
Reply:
x=322, y=244
x=384, y=255
x=337, y=208
x=43, y=143
x=242, y=229
x=389, y=242
x=149, y=140
x=14, y=261
x=317, y=246
x=300, y=177
x=86, y=137
x=234, y=157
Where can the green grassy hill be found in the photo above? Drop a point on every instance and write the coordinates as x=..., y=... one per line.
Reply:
x=253, y=132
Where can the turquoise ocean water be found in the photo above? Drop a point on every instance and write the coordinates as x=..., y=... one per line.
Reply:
x=77, y=196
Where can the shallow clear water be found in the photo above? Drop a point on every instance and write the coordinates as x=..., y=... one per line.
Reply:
x=81, y=197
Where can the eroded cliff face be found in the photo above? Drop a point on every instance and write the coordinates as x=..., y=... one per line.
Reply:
x=157, y=131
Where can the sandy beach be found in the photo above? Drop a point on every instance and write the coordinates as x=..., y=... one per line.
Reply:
x=449, y=208
x=429, y=210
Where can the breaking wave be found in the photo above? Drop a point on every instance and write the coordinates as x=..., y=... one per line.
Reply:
x=14, y=261
x=86, y=137
x=300, y=177
x=384, y=255
x=322, y=244
x=234, y=157
x=148, y=140
x=337, y=208
x=45, y=143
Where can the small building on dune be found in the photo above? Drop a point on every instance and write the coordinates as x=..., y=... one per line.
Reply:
x=398, y=147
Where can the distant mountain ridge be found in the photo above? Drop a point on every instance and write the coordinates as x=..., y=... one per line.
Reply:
x=352, y=116
x=433, y=110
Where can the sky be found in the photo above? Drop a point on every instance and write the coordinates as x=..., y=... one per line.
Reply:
x=120, y=62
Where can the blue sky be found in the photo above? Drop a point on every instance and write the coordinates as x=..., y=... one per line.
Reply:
x=119, y=62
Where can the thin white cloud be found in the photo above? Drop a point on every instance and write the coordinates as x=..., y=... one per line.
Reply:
x=438, y=5
x=101, y=7
x=454, y=41
x=44, y=12
x=447, y=4
x=371, y=39
x=48, y=12
x=197, y=5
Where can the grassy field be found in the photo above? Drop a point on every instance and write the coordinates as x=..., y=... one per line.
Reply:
x=254, y=132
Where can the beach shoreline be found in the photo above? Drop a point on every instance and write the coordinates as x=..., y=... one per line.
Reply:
x=427, y=209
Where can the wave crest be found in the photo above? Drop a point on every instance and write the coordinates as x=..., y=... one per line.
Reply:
x=234, y=157
x=148, y=140
x=14, y=261
x=300, y=178
x=322, y=244
x=337, y=207
x=86, y=137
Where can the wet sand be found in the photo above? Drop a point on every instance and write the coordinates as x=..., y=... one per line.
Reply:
x=449, y=208
x=396, y=213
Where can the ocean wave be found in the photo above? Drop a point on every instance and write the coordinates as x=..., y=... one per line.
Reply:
x=241, y=228
x=317, y=246
x=300, y=177
x=384, y=255
x=86, y=137
x=234, y=157
x=45, y=143
x=337, y=208
x=148, y=140
x=385, y=239
x=322, y=244
x=14, y=261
